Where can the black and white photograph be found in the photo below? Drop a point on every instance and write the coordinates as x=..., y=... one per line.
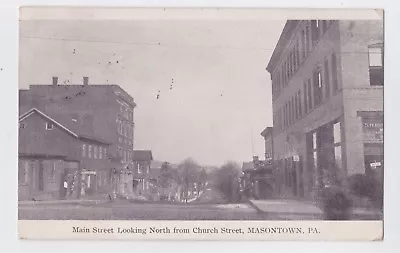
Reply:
x=204, y=117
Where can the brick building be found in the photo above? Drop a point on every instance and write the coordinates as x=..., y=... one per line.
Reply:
x=52, y=164
x=102, y=110
x=327, y=86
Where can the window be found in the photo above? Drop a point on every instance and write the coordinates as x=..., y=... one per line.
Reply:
x=297, y=52
x=22, y=125
x=337, y=133
x=337, y=139
x=326, y=78
x=307, y=44
x=317, y=87
x=305, y=98
x=23, y=171
x=375, y=57
x=100, y=153
x=314, y=31
x=83, y=150
x=334, y=74
x=304, y=48
x=299, y=103
x=90, y=151
x=105, y=153
x=290, y=112
x=309, y=99
x=138, y=169
x=53, y=171
x=94, y=152
x=293, y=109
x=49, y=126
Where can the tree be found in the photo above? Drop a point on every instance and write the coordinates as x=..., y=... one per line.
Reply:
x=226, y=179
x=165, y=175
x=187, y=175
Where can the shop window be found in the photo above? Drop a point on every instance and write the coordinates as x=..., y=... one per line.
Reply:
x=375, y=66
x=337, y=140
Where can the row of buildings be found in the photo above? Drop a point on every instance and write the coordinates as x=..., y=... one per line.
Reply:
x=327, y=99
x=77, y=141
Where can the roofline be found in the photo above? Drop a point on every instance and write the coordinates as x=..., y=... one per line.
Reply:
x=263, y=133
x=279, y=48
x=33, y=110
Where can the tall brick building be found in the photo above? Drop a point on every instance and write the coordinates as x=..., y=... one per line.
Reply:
x=102, y=111
x=327, y=86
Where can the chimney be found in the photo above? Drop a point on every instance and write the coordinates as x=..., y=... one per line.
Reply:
x=85, y=80
x=55, y=80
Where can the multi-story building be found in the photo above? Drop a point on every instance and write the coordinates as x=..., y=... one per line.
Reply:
x=327, y=96
x=105, y=111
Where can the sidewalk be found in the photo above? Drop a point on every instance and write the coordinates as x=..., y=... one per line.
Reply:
x=66, y=201
x=304, y=209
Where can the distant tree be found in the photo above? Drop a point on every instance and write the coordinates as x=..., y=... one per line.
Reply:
x=188, y=172
x=166, y=174
x=226, y=179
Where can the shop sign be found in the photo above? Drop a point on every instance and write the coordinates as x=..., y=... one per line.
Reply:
x=375, y=164
x=373, y=130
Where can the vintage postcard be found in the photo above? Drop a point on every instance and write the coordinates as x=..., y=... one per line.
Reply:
x=200, y=124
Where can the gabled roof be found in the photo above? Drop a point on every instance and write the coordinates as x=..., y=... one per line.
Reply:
x=61, y=121
x=142, y=155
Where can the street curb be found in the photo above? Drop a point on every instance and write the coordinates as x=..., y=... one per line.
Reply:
x=249, y=202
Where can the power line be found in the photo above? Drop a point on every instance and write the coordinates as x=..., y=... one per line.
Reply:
x=159, y=44
x=150, y=44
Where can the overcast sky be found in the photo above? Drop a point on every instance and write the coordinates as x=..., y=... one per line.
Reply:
x=220, y=99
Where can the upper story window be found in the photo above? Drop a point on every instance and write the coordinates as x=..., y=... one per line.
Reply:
x=100, y=153
x=90, y=151
x=334, y=73
x=49, y=126
x=317, y=80
x=83, y=150
x=22, y=125
x=375, y=58
x=95, y=152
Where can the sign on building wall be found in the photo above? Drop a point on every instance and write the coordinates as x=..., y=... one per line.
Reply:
x=373, y=130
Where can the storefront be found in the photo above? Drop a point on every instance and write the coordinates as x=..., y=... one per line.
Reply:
x=325, y=152
x=372, y=127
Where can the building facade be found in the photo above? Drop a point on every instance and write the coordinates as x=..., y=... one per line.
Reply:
x=142, y=176
x=105, y=111
x=51, y=162
x=327, y=86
